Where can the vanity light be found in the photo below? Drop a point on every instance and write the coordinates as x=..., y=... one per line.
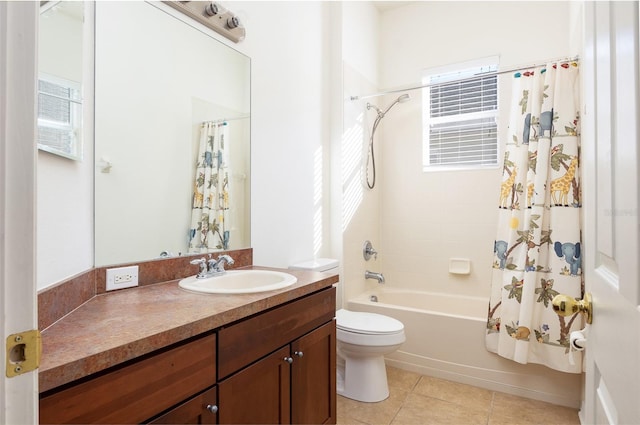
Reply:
x=211, y=9
x=212, y=15
x=233, y=22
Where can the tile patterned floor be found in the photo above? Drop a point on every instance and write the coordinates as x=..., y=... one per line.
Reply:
x=423, y=400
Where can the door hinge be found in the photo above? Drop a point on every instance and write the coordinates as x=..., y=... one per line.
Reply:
x=23, y=352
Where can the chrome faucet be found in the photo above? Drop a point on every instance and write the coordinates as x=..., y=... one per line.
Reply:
x=217, y=266
x=372, y=275
x=212, y=267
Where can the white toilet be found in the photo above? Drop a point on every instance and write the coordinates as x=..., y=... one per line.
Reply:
x=363, y=339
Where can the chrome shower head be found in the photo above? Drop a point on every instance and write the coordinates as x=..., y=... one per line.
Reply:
x=404, y=98
x=401, y=99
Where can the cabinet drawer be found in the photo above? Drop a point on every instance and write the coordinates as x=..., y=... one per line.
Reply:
x=137, y=391
x=253, y=338
x=192, y=411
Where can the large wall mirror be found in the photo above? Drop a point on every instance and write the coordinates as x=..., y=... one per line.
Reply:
x=172, y=136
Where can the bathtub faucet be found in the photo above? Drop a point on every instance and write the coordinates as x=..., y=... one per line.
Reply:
x=373, y=275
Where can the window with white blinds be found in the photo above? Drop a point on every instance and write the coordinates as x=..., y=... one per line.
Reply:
x=59, y=116
x=460, y=117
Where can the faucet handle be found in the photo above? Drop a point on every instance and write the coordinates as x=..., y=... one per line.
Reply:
x=217, y=265
x=227, y=258
x=368, y=251
x=202, y=263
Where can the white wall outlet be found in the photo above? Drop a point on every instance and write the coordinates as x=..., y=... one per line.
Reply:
x=122, y=277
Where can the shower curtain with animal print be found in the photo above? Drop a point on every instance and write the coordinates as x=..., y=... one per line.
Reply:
x=210, y=206
x=537, y=251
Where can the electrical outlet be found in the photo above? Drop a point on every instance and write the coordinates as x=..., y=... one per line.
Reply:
x=122, y=277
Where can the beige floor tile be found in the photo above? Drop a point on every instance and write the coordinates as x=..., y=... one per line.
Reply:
x=461, y=394
x=381, y=413
x=422, y=410
x=510, y=409
x=348, y=421
x=403, y=379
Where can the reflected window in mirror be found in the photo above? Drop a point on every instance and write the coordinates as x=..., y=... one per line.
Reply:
x=59, y=116
x=60, y=69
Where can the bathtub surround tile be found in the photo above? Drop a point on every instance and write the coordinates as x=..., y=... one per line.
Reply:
x=425, y=400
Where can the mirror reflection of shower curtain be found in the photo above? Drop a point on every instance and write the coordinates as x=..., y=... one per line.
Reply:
x=210, y=202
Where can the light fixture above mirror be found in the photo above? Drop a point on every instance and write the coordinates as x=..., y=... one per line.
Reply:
x=214, y=16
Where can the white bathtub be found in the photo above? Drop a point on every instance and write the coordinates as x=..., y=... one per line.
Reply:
x=445, y=339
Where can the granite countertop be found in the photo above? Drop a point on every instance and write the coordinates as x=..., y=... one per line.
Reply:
x=114, y=327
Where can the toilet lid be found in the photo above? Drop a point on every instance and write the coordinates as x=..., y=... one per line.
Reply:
x=367, y=323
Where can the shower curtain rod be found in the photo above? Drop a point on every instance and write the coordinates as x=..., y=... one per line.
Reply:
x=505, y=71
x=218, y=121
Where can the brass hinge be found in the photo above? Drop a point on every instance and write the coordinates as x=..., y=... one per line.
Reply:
x=23, y=352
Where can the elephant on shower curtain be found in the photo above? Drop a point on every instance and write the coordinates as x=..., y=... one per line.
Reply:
x=537, y=251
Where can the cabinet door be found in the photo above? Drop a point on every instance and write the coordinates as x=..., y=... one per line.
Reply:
x=313, y=379
x=196, y=410
x=258, y=394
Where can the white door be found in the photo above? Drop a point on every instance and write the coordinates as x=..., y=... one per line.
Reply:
x=610, y=155
x=18, y=39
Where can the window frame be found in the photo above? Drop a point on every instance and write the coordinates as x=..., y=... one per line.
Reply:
x=460, y=71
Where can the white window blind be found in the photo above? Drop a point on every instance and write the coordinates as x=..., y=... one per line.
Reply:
x=460, y=117
x=59, y=115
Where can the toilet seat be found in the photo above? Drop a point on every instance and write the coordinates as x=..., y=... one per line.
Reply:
x=367, y=323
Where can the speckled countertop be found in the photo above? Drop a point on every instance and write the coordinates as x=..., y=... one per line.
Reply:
x=118, y=326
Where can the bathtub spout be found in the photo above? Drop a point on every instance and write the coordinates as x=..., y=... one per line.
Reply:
x=373, y=275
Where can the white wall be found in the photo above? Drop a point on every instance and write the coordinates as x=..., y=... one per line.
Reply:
x=428, y=218
x=290, y=128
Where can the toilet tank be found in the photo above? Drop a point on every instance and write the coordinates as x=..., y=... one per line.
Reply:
x=317, y=265
x=323, y=265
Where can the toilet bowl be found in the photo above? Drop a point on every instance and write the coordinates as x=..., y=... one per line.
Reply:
x=363, y=339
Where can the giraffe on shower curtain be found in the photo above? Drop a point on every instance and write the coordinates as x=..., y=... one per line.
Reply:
x=537, y=251
x=210, y=206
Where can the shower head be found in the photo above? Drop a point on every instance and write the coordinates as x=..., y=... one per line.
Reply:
x=401, y=99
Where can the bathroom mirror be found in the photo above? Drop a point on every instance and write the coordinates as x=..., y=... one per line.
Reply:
x=60, y=62
x=158, y=78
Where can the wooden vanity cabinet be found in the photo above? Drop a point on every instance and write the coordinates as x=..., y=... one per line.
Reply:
x=275, y=367
x=295, y=384
x=294, y=380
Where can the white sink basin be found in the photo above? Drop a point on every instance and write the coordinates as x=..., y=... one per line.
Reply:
x=239, y=282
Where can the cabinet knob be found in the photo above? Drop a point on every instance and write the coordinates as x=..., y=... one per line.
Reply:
x=299, y=353
x=212, y=408
x=288, y=360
